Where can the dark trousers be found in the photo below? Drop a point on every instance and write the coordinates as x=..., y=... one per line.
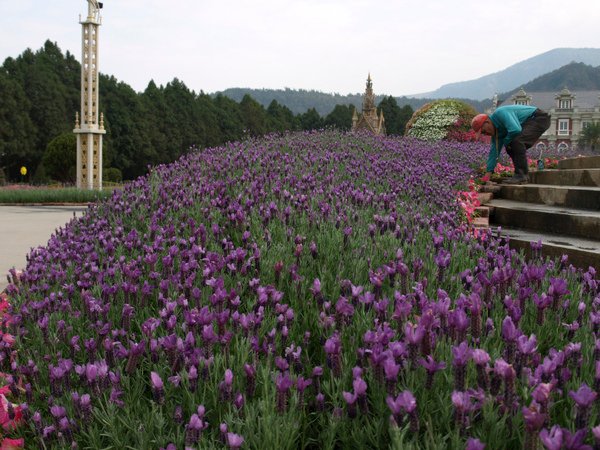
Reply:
x=533, y=128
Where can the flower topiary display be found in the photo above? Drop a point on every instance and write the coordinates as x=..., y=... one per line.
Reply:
x=442, y=119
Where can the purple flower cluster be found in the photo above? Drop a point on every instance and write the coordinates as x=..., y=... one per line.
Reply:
x=302, y=279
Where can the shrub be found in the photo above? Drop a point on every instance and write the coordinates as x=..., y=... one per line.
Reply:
x=112, y=174
x=60, y=158
x=442, y=119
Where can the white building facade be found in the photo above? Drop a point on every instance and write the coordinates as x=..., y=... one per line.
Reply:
x=570, y=112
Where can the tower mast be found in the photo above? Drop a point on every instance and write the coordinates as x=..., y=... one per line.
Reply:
x=89, y=124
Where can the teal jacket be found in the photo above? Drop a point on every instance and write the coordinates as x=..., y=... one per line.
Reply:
x=507, y=120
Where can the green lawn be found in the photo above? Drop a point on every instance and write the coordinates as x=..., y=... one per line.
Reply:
x=29, y=194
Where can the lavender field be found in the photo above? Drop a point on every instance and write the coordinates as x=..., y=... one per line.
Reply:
x=306, y=291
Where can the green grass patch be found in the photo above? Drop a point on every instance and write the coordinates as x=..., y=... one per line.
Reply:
x=56, y=195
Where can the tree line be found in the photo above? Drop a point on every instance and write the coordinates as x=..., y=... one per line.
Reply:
x=300, y=100
x=40, y=94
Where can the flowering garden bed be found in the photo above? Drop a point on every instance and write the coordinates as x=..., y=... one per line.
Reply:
x=316, y=291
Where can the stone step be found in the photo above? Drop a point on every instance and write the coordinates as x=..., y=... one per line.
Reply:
x=582, y=253
x=484, y=197
x=482, y=211
x=481, y=222
x=581, y=162
x=546, y=219
x=582, y=197
x=566, y=177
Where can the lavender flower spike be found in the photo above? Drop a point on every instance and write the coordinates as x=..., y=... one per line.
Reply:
x=158, y=390
x=234, y=441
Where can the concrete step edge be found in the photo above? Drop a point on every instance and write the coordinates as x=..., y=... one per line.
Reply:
x=558, y=240
x=581, y=252
x=537, y=207
x=580, y=161
x=551, y=186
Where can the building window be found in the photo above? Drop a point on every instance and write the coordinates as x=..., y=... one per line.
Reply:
x=585, y=124
x=564, y=104
x=563, y=127
x=520, y=102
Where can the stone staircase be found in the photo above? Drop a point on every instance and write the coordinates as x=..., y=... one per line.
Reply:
x=559, y=207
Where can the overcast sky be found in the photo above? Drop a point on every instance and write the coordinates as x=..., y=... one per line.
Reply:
x=408, y=46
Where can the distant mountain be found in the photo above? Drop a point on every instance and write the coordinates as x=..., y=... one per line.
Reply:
x=516, y=75
x=299, y=101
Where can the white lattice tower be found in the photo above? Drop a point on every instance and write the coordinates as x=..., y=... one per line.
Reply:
x=89, y=124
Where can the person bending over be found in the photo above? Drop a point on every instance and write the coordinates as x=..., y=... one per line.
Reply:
x=516, y=128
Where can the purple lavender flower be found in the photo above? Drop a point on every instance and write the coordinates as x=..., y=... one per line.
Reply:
x=350, y=399
x=193, y=378
x=391, y=370
x=558, y=288
x=301, y=385
x=474, y=444
x=193, y=430
x=584, y=398
x=333, y=349
x=481, y=359
x=320, y=402
x=541, y=393
x=317, y=373
x=575, y=441
x=115, y=397
x=461, y=355
x=596, y=434
x=158, y=390
x=313, y=249
x=442, y=260
x=407, y=401
x=460, y=322
x=431, y=366
x=414, y=335
x=396, y=408
x=534, y=420
x=283, y=383
x=234, y=441
x=553, y=439
x=360, y=389
x=226, y=386
x=462, y=407
x=404, y=403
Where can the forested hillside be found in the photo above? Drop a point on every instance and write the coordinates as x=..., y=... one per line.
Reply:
x=575, y=76
x=299, y=100
x=40, y=92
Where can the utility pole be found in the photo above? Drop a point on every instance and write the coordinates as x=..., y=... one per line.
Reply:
x=89, y=124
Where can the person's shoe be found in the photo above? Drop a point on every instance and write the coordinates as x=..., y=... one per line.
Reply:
x=516, y=179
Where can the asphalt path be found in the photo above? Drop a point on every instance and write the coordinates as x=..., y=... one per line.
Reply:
x=23, y=228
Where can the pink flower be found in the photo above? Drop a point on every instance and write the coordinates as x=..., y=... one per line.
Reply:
x=8, y=339
x=5, y=421
x=12, y=444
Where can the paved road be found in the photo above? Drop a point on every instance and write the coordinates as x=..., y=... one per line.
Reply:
x=25, y=227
